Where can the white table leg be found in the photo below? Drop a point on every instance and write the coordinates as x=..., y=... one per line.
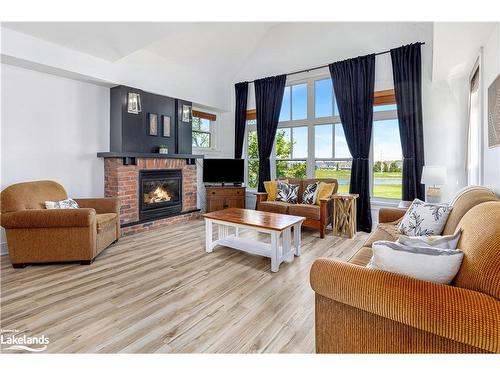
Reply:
x=296, y=238
x=236, y=231
x=275, y=263
x=208, y=236
x=287, y=245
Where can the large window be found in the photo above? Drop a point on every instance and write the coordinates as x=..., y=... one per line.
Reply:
x=252, y=156
x=474, y=130
x=332, y=156
x=310, y=140
x=294, y=105
x=291, y=152
x=202, y=129
x=324, y=100
x=387, y=159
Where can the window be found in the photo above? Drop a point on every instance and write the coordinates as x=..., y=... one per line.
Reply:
x=332, y=156
x=310, y=140
x=291, y=152
x=324, y=100
x=202, y=129
x=387, y=160
x=252, y=153
x=294, y=104
x=474, y=131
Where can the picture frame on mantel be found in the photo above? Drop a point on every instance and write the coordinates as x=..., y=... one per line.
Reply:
x=165, y=126
x=153, y=124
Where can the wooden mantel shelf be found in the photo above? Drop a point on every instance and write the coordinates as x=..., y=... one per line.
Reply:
x=129, y=158
x=147, y=155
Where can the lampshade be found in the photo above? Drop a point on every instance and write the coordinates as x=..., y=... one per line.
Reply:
x=433, y=175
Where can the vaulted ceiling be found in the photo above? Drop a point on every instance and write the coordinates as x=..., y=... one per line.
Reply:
x=221, y=53
x=228, y=50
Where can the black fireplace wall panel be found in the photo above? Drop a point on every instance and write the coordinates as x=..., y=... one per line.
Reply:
x=129, y=131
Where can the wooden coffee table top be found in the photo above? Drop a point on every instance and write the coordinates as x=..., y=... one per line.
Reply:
x=258, y=219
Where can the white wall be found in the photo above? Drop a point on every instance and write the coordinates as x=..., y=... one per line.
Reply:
x=445, y=123
x=52, y=128
x=491, y=69
x=224, y=148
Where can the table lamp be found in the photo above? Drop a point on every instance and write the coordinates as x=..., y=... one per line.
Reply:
x=433, y=175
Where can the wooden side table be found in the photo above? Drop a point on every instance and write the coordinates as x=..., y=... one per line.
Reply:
x=344, y=214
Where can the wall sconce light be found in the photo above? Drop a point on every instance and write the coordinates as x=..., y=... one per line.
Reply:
x=134, y=103
x=186, y=113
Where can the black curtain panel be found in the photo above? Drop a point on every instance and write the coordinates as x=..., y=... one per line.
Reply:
x=240, y=117
x=353, y=83
x=407, y=71
x=268, y=97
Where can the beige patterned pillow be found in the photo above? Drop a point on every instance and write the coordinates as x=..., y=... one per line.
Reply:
x=64, y=204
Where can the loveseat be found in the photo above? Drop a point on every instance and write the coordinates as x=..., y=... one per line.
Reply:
x=39, y=235
x=317, y=216
x=362, y=310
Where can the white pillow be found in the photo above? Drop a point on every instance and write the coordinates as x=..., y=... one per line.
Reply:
x=424, y=219
x=424, y=263
x=441, y=242
x=64, y=204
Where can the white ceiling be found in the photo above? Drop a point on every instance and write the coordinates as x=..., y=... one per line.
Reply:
x=165, y=56
x=106, y=40
x=456, y=47
x=226, y=49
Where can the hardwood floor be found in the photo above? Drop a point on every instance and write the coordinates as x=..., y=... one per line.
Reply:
x=160, y=292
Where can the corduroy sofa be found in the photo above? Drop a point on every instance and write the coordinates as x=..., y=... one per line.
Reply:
x=317, y=216
x=361, y=310
x=38, y=235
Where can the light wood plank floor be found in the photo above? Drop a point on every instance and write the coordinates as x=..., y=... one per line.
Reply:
x=160, y=292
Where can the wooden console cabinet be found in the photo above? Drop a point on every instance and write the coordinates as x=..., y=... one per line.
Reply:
x=221, y=197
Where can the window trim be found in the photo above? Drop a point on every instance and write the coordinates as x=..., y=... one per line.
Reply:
x=204, y=115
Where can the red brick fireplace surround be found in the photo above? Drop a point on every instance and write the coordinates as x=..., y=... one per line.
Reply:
x=121, y=179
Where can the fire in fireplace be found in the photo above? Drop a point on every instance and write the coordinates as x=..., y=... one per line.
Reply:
x=160, y=193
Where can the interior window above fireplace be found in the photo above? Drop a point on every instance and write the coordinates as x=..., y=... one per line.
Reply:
x=203, y=129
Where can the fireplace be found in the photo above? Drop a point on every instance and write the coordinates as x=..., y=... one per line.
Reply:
x=160, y=193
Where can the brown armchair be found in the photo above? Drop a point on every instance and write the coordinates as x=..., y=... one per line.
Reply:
x=363, y=310
x=38, y=235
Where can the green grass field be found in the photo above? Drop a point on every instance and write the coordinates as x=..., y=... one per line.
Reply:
x=383, y=190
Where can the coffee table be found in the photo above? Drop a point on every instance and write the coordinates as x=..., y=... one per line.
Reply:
x=277, y=225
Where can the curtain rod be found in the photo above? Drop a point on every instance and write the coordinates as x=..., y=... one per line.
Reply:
x=326, y=66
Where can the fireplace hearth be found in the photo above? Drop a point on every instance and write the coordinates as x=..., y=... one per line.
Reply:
x=160, y=193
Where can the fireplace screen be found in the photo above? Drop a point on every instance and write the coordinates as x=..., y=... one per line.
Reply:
x=160, y=193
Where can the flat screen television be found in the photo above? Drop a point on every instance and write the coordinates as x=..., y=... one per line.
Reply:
x=223, y=170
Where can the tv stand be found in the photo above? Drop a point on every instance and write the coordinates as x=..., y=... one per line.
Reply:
x=225, y=196
x=225, y=184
